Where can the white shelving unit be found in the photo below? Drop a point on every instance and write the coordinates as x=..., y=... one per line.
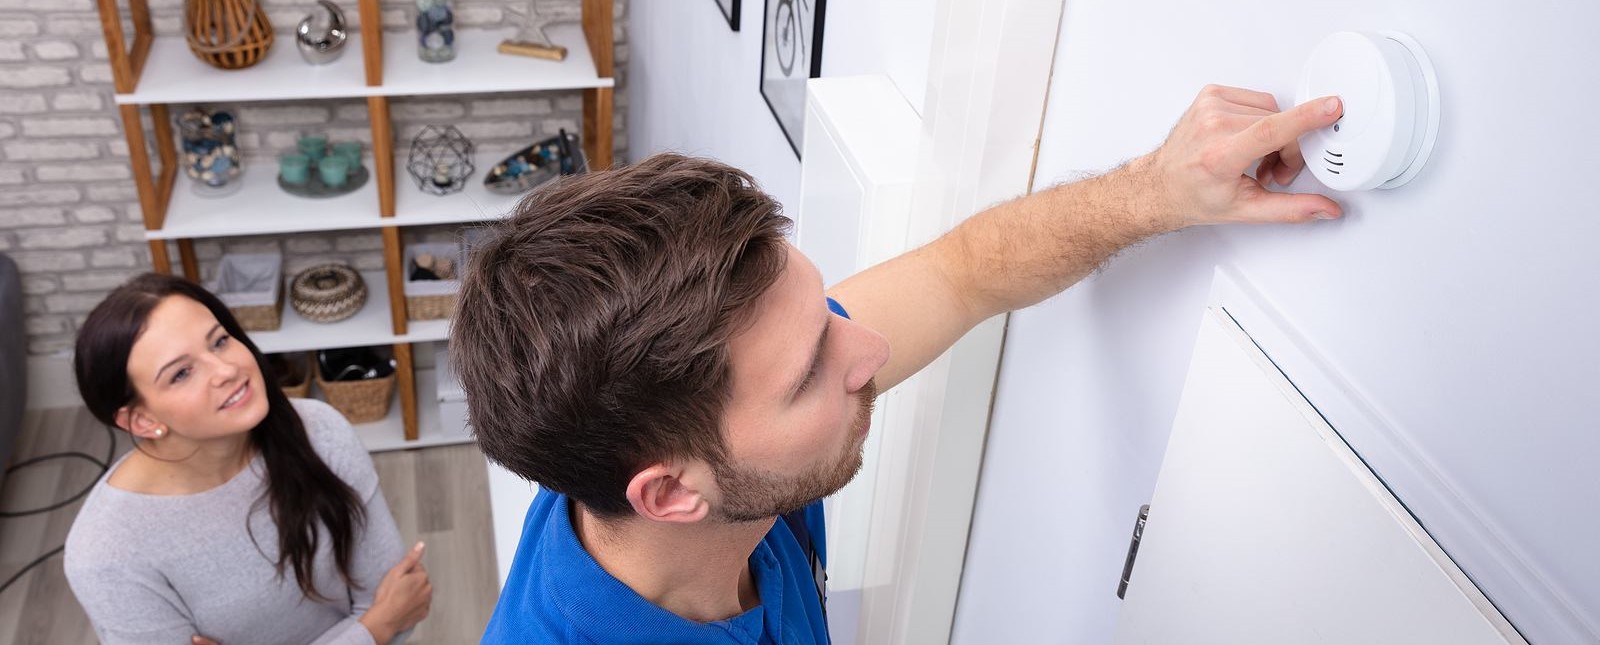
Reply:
x=150, y=72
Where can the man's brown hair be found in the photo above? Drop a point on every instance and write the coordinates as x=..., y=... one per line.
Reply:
x=592, y=330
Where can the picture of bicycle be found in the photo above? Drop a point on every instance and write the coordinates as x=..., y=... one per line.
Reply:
x=791, y=52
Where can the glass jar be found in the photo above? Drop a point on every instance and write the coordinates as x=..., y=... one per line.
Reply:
x=210, y=154
x=436, y=31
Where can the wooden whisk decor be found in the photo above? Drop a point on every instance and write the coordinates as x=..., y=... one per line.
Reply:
x=230, y=34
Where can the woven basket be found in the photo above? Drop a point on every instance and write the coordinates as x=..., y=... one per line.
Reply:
x=260, y=317
x=230, y=34
x=362, y=401
x=295, y=378
x=328, y=293
x=251, y=285
x=430, y=307
x=432, y=299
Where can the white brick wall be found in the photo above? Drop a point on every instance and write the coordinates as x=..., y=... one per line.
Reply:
x=69, y=213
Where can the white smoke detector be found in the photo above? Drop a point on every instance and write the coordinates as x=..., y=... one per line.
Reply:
x=1391, y=110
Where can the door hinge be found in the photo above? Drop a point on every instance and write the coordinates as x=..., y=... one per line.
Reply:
x=1133, y=550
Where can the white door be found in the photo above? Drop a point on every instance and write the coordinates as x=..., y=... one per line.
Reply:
x=1266, y=528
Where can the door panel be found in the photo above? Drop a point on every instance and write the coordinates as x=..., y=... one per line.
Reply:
x=1266, y=528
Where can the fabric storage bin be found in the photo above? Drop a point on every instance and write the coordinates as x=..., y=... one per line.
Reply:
x=251, y=285
x=432, y=299
x=452, y=398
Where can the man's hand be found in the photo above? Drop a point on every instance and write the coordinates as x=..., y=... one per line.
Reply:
x=1200, y=169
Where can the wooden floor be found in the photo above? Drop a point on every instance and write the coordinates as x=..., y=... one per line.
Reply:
x=438, y=495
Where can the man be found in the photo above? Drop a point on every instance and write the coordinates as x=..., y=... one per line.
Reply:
x=645, y=345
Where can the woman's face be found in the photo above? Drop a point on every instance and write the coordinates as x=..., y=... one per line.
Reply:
x=192, y=378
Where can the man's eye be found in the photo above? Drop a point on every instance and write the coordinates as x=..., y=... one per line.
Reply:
x=806, y=384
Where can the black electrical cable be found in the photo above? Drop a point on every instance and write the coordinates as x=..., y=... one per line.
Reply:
x=105, y=467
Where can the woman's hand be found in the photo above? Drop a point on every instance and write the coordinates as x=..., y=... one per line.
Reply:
x=201, y=640
x=402, y=599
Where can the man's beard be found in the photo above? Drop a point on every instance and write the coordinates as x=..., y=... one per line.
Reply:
x=754, y=496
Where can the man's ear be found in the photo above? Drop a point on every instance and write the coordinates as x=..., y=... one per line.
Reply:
x=663, y=493
x=138, y=423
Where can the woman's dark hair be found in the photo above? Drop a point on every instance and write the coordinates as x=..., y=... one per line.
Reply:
x=301, y=490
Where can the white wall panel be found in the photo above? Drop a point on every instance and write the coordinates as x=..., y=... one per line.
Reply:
x=1461, y=306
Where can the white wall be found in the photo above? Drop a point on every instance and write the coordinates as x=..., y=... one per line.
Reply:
x=693, y=82
x=1461, y=307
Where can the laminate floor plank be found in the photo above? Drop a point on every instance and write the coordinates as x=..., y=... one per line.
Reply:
x=444, y=501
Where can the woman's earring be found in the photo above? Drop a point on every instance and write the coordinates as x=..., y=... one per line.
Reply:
x=160, y=432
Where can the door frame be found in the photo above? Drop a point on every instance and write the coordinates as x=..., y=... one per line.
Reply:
x=988, y=78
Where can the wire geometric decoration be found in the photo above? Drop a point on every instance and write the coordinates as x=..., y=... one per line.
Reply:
x=440, y=160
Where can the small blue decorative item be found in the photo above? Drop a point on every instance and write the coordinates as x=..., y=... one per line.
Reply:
x=536, y=164
x=210, y=155
x=436, y=31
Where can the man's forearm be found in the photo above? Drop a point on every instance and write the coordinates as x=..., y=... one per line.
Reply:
x=1020, y=252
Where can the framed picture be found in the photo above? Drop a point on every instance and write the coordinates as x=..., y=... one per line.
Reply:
x=791, y=52
x=730, y=10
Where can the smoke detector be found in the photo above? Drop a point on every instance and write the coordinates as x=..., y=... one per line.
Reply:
x=1391, y=110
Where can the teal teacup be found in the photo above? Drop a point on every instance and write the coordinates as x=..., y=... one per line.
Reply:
x=294, y=168
x=313, y=146
x=350, y=150
x=334, y=170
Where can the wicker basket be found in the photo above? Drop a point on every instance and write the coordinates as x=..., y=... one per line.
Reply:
x=362, y=401
x=293, y=373
x=230, y=34
x=328, y=293
x=432, y=299
x=251, y=285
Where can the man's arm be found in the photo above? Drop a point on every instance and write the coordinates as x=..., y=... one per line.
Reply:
x=1025, y=250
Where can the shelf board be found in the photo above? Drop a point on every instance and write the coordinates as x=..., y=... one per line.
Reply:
x=370, y=326
x=478, y=68
x=474, y=203
x=173, y=74
x=262, y=208
x=389, y=433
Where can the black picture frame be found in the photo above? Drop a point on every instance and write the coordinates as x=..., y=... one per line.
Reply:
x=730, y=10
x=791, y=52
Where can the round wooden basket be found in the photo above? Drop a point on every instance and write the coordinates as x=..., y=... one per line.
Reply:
x=328, y=293
x=230, y=34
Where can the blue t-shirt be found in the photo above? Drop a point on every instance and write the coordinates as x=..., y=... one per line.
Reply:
x=557, y=593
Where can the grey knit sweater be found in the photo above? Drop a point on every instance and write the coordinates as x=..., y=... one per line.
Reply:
x=159, y=569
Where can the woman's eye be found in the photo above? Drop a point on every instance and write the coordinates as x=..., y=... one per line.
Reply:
x=222, y=340
x=180, y=375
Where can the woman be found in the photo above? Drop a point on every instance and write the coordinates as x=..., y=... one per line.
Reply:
x=241, y=517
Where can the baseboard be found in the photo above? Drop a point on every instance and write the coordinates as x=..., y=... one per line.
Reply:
x=51, y=383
